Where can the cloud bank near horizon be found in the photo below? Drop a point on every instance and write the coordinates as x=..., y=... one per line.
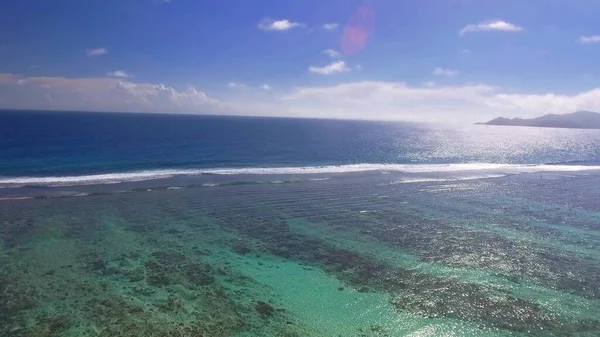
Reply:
x=376, y=100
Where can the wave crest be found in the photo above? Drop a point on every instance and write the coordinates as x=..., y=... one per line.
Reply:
x=112, y=178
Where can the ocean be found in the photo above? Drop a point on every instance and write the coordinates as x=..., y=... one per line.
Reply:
x=180, y=225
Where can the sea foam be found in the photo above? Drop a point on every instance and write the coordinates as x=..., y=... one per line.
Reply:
x=112, y=178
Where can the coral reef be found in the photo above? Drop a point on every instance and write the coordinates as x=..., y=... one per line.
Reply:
x=205, y=262
x=165, y=267
x=265, y=310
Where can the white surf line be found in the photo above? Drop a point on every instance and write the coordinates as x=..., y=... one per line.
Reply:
x=111, y=178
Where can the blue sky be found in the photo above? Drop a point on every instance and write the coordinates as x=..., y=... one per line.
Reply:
x=435, y=60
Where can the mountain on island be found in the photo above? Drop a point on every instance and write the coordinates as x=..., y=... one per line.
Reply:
x=575, y=120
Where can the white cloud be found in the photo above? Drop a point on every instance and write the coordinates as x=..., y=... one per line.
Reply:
x=100, y=94
x=278, y=25
x=236, y=85
x=358, y=91
x=445, y=72
x=486, y=26
x=589, y=39
x=118, y=73
x=330, y=26
x=331, y=53
x=428, y=101
x=431, y=102
x=155, y=95
x=333, y=68
x=96, y=52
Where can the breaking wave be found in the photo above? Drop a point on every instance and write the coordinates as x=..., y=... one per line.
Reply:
x=112, y=178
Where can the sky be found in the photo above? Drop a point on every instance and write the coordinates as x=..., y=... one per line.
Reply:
x=415, y=60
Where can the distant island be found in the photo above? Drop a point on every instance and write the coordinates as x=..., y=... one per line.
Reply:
x=575, y=120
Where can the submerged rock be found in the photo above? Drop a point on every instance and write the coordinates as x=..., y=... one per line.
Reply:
x=240, y=247
x=167, y=267
x=97, y=264
x=264, y=309
x=135, y=275
x=13, y=301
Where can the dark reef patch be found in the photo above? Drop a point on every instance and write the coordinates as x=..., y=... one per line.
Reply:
x=423, y=294
x=264, y=309
x=169, y=267
x=14, y=299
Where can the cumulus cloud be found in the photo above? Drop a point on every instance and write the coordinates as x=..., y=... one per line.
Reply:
x=431, y=102
x=96, y=52
x=330, y=26
x=236, y=85
x=333, y=68
x=278, y=25
x=428, y=101
x=100, y=94
x=118, y=73
x=331, y=53
x=486, y=26
x=359, y=91
x=589, y=39
x=445, y=72
x=161, y=96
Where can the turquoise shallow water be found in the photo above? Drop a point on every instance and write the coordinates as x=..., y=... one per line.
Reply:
x=118, y=225
x=353, y=254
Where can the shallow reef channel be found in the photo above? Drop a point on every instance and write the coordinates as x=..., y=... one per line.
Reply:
x=306, y=259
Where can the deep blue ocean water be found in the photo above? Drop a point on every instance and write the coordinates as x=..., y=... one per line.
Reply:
x=69, y=143
x=128, y=225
